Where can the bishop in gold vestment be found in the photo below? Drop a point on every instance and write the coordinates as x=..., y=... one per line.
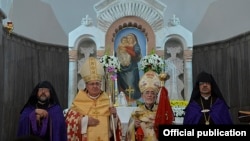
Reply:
x=89, y=117
x=141, y=123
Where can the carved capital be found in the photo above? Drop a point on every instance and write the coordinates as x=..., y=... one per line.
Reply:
x=72, y=55
x=188, y=55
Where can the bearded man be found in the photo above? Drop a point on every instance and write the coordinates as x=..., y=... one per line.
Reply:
x=42, y=115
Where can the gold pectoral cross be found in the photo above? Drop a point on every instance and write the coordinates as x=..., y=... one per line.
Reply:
x=129, y=91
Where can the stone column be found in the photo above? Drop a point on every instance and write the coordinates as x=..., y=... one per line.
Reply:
x=2, y=16
x=72, y=88
x=188, y=74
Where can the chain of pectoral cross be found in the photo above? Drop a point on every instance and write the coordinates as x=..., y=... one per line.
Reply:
x=129, y=91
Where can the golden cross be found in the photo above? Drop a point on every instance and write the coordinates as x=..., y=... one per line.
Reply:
x=129, y=91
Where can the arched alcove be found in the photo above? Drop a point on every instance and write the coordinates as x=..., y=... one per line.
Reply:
x=130, y=22
x=85, y=49
x=175, y=68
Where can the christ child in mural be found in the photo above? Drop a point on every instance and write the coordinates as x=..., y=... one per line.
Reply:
x=123, y=55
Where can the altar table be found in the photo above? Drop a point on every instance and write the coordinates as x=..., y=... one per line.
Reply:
x=124, y=114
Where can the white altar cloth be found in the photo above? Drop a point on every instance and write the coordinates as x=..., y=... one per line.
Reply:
x=124, y=114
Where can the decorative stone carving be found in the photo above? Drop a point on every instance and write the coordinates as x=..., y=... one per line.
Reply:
x=72, y=55
x=174, y=21
x=174, y=68
x=149, y=10
x=86, y=51
x=87, y=21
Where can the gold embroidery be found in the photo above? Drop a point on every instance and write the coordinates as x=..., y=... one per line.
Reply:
x=95, y=113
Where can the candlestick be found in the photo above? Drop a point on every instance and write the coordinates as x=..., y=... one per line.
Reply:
x=164, y=65
x=163, y=59
x=112, y=118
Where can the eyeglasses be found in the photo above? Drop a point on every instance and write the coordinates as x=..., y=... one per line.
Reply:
x=94, y=83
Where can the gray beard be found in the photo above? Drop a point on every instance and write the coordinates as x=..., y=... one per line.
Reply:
x=43, y=99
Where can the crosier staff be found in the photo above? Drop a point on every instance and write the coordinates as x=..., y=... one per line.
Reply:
x=112, y=117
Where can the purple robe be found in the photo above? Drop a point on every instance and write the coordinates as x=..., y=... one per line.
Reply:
x=54, y=126
x=219, y=113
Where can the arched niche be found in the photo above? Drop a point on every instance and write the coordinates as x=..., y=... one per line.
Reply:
x=86, y=48
x=174, y=58
x=130, y=22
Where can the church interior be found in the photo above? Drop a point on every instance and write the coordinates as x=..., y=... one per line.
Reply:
x=42, y=40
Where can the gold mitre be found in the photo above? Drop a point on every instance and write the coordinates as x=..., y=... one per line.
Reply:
x=150, y=80
x=92, y=69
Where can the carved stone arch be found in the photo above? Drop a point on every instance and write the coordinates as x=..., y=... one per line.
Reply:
x=179, y=38
x=86, y=43
x=130, y=21
x=111, y=10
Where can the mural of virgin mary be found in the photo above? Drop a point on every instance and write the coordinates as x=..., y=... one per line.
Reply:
x=128, y=77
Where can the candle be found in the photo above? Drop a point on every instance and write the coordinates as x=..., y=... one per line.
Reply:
x=116, y=87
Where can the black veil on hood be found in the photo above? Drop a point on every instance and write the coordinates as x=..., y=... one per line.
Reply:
x=33, y=97
x=206, y=77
